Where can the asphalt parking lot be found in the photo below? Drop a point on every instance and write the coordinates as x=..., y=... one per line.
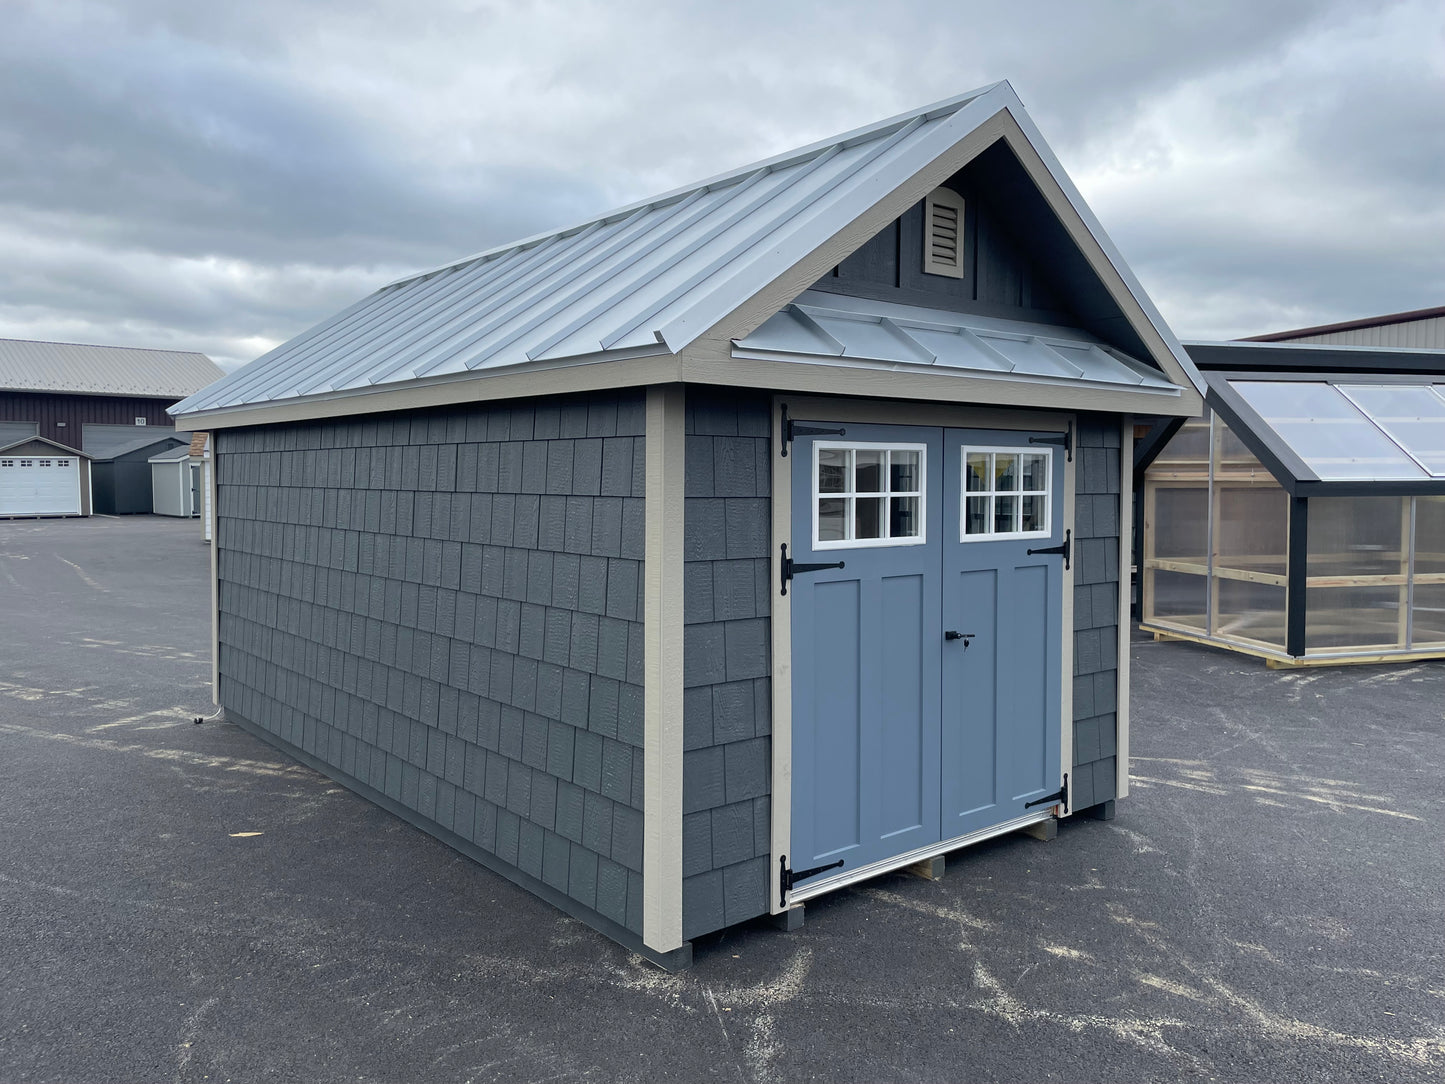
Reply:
x=180, y=902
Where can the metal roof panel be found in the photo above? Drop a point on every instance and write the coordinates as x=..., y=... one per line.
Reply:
x=80, y=369
x=821, y=325
x=653, y=275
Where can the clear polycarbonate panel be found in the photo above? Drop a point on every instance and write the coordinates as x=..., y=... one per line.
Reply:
x=1428, y=596
x=1180, y=525
x=1189, y=445
x=1412, y=415
x=1429, y=535
x=1428, y=614
x=1358, y=565
x=1233, y=461
x=1358, y=536
x=1327, y=431
x=1353, y=617
x=1251, y=531
x=1180, y=598
x=1245, y=610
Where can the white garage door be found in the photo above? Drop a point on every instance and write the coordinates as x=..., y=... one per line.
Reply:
x=37, y=485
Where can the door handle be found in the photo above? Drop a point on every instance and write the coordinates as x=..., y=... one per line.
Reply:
x=966, y=637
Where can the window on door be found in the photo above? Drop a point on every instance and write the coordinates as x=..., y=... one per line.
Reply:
x=867, y=494
x=1005, y=494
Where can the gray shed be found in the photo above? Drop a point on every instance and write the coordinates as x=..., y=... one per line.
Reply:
x=176, y=482
x=123, y=484
x=721, y=551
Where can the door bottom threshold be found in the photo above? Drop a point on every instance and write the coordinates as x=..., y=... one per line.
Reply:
x=933, y=850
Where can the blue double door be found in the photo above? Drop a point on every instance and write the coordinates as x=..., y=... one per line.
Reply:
x=926, y=669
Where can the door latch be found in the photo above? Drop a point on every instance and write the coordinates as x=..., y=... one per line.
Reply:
x=791, y=567
x=954, y=634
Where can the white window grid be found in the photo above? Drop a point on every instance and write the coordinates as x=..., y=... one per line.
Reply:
x=7, y=462
x=888, y=495
x=1014, y=495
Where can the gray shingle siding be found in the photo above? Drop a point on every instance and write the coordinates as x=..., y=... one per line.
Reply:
x=727, y=708
x=444, y=606
x=1093, y=778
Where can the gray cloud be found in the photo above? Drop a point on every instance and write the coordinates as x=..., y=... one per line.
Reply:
x=221, y=176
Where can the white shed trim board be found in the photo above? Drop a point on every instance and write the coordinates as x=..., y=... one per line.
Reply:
x=663, y=669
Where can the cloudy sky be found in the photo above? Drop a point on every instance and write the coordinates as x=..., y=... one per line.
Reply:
x=219, y=176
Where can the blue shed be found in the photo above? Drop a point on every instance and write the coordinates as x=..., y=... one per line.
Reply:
x=721, y=551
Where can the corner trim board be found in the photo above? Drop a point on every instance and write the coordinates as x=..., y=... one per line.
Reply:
x=1126, y=591
x=663, y=669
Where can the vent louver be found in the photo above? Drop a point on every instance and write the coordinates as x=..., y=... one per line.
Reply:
x=943, y=233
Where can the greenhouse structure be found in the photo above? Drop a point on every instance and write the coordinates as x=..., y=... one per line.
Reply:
x=1302, y=518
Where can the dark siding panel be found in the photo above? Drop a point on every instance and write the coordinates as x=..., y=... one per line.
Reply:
x=1096, y=610
x=726, y=701
x=1003, y=277
x=47, y=411
x=414, y=601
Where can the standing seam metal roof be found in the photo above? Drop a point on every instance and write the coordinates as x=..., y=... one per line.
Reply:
x=648, y=278
x=78, y=369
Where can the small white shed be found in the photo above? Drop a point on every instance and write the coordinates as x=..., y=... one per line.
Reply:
x=176, y=483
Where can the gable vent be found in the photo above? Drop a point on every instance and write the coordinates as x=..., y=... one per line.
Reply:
x=943, y=233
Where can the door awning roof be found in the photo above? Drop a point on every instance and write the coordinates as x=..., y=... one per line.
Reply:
x=835, y=328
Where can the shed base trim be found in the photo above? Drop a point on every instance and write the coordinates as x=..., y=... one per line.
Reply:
x=889, y=865
x=678, y=959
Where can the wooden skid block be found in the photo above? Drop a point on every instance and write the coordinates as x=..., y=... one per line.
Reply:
x=790, y=920
x=1045, y=830
x=930, y=869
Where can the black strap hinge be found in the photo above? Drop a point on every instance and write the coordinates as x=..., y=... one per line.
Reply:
x=791, y=567
x=1064, y=440
x=1065, y=547
x=788, y=878
x=1060, y=795
x=792, y=429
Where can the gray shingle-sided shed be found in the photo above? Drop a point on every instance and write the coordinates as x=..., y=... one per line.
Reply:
x=727, y=549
